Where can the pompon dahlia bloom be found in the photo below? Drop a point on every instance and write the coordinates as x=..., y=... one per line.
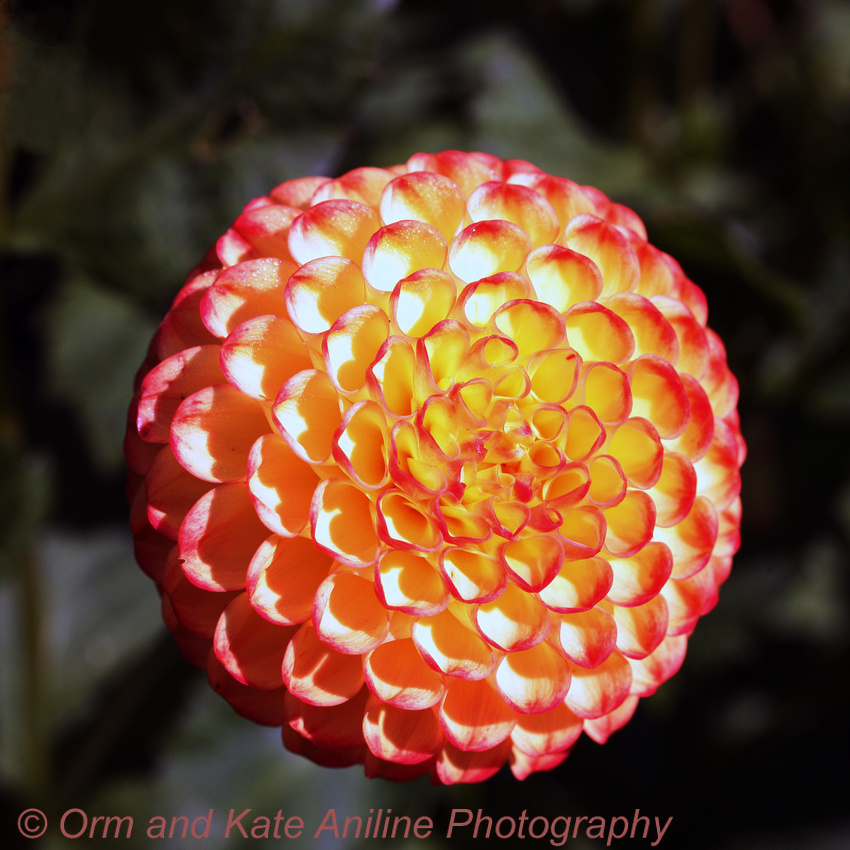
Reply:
x=436, y=466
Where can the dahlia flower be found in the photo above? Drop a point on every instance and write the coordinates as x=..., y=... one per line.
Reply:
x=436, y=466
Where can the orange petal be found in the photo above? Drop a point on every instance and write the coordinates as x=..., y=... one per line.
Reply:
x=532, y=325
x=397, y=674
x=675, y=490
x=402, y=735
x=650, y=672
x=249, y=646
x=319, y=292
x=444, y=348
x=585, y=433
x=451, y=648
x=474, y=717
x=337, y=725
x=213, y=431
x=693, y=342
x=360, y=445
x=422, y=300
x=352, y=344
x=374, y=767
x=171, y=492
x=316, y=673
x=554, y=374
x=696, y=439
x=608, y=248
x=479, y=301
x=281, y=485
x=637, y=446
x=605, y=389
x=261, y=231
x=601, y=728
x=593, y=693
x=717, y=472
x=165, y=387
x=579, y=585
x=641, y=576
x=659, y=395
x=348, y=615
x=394, y=378
x=688, y=599
x=630, y=524
x=607, y=481
x=261, y=706
x=641, y=628
x=359, y=184
x=597, y=333
x=488, y=247
x=410, y=582
x=307, y=413
x=472, y=576
x=466, y=170
x=534, y=560
x=242, y=292
x=454, y=765
x=588, y=637
x=583, y=531
x=182, y=326
x=197, y=610
x=402, y=523
x=653, y=333
x=533, y=680
x=552, y=731
x=284, y=577
x=562, y=277
x=424, y=196
x=399, y=249
x=692, y=540
x=262, y=354
x=219, y=537
x=338, y=228
x=515, y=620
x=297, y=193
x=518, y=204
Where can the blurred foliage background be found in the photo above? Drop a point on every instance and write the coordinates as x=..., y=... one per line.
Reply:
x=134, y=132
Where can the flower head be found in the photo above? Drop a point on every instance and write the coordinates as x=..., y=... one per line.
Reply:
x=436, y=467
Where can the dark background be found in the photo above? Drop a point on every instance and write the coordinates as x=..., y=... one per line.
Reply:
x=134, y=132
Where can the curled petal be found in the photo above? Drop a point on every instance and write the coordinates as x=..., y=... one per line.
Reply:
x=688, y=599
x=657, y=667
x=260, y=231
x=588, y=637
x=410, y=582
x=213, y=431
x=307, y=413
x=171, y=492
x=607, y=481
x=359, y=184
x=452, y=648
x=262, y=354
x=338, y=725
x=320, y=291
x=717, y=473
x=637, y=446
x=598, y=691
x=601, y=728
x=583, y=532
x=249, y=646
x=692, y=540
x=245, y=291
x=347, y=614
x=533, y=680
x=579, y=585
x=519, y=204
x=562, y=277
x=261, y=706
x=523, y=765
x=659, y=395
x=515, y=620
x=597, y=333
x=352, y=345
x=402, y=735
x=630, y=524
x=608, y=248
x=534, y=560
x=219, y=536
x=652, y=331
x=424, y=196
x=696, y=439
x=333, y=228
x=422, y=300
x=641, y=576
x=584, y=433
x=316, y=673
x=473, y=576
x=675, y=490
x=693, y=343
x=607, y=393
x=554, y=374
x=359, y=445
x=552, y=731
x=474, y=717
x=530, y=324
x=399, y=249
x=281, y=485
x=466, y=170
x=297, y=193
x=402, y=523
x=283, y=578
x=169, y=383
x=397, y=674
x=641, y=628
x=486, y=248
x=182, y=328
x=479, y=301
x=456, y=765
